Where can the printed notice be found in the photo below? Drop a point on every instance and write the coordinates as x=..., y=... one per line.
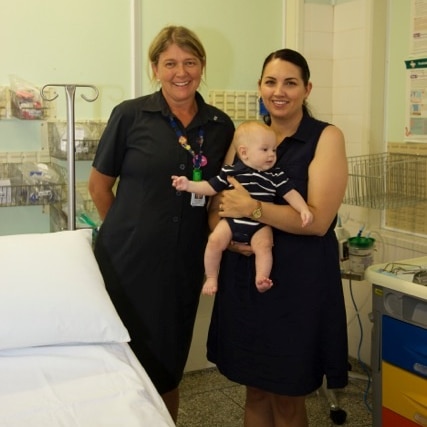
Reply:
x=416, y=120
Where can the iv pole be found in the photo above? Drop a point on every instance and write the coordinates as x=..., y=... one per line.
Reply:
x=70, y=91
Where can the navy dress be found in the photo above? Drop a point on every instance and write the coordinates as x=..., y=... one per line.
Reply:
x=150, y=246
x=286, y=339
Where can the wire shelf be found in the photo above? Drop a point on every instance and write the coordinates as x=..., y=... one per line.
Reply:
x=15, y=190
x=87, y=134
x=386, y=180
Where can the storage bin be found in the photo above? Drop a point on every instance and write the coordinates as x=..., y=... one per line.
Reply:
x=27, y=105
x=25, y=185
x=86, y=138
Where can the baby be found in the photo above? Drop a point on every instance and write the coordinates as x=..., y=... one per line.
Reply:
x=255, y=144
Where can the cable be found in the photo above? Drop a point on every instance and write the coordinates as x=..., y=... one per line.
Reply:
x=359, y=359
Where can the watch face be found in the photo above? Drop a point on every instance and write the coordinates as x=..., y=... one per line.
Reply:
x=256, y=213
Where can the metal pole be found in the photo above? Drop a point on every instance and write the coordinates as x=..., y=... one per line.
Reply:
x=70, y=90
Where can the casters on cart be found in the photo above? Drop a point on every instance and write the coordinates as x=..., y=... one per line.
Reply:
x=338, y=416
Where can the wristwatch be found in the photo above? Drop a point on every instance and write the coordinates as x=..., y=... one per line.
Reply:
x=257, y=212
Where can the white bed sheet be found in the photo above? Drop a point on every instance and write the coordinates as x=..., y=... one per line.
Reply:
x=78, y=385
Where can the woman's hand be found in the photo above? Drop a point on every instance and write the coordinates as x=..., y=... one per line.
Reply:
x=240, y=248
x=100, y=187
x=236, y=203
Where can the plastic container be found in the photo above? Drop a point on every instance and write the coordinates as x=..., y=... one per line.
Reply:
x=361, y=253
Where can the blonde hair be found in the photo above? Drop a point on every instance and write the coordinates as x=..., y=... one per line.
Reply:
x=248, y=132
x=182, y=37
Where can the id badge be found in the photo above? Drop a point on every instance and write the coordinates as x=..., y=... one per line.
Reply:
x=197, y=199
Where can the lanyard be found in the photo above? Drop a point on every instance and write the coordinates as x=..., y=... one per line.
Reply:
x=199, y=160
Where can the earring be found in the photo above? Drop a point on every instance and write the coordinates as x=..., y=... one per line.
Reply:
x=261, y=107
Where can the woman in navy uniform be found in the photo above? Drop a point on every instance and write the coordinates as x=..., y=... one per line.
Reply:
x=151, y=243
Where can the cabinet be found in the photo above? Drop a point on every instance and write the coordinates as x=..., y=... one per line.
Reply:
x=399, y=346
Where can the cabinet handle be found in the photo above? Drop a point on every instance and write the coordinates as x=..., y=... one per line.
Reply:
x=420, y=419
x=422, y=369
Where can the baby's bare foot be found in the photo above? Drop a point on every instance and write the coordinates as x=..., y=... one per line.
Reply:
x=263, y=284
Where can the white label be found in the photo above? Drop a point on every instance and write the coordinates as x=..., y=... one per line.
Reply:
x=5, y=192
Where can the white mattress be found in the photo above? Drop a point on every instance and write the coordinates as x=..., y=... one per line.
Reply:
x=77, y=385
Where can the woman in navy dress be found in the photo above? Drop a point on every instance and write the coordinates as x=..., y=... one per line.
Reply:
x=151, y=243
x=281, y=343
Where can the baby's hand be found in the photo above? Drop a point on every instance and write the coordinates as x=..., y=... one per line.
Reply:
x=180, y=182
x=307, y=218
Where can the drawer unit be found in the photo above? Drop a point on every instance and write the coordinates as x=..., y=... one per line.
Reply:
x=399, y=344
x=404, y=393
x=391, y=419
x=404, y=345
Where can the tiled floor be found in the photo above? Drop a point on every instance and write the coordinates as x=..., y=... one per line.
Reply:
x=210, y=400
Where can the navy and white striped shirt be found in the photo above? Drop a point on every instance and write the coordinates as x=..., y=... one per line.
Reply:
x=262, y=185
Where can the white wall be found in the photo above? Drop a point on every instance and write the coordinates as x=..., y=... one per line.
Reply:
x=338, y=45
x=396, y=109
x=48, y=41
x=346, y=45
x=237, y=35
x=352, y=112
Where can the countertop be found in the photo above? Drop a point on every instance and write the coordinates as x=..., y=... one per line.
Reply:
x=398, y=276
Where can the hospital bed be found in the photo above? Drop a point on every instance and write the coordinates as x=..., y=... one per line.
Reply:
x=64, y=353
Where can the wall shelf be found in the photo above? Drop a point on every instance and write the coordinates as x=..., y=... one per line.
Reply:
x=239, y=105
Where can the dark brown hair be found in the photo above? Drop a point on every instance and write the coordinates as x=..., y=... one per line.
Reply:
x=295, y=58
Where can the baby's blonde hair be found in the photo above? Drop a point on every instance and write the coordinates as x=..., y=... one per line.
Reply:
x=249, y=132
